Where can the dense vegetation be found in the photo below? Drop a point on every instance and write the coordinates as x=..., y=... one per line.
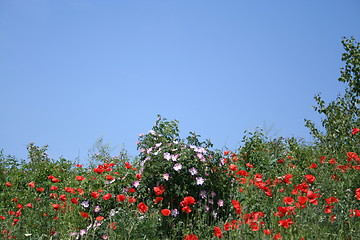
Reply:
x=280, y=188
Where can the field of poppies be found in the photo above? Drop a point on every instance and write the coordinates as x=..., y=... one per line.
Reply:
x=176, y=188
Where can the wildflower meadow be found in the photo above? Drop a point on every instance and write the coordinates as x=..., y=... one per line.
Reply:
x=186, y=189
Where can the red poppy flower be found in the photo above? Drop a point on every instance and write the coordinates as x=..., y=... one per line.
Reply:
x=226, y=153
x=29, y=205
x=109, y=177
x=217, y=232
x=15, y=221
x=79, y=178
x=53, y=195
x=191, y=237
x=354, y=212
x=84, y=214
x=277, y=236
x=281, y=160
x=302, y=200
x=75, y=200
x=352, y=155
x=99, y=170
x=312, y=197
x=138, y=176
x=142, y=207
x=18, y=213
x=41, y=189
x=62, y=197
x=332, y=161
x=331, y=200
x=78, y=165
x=159, y=190
x=80, y=191
x=120, y=198
x=254, y=226
x=249, y=165
x=242, y=173
x=227, y=226
x=165, y=212
x=313, y=165
x=70, y=190
x=322, y=159
x=53, y=188
x=186, y=209
x=107, y=196
x=285, y=223
x=55, y=180
x=55, y=206
x=288, y=200
x=267, y=231
x=237, y=206
x=128, y=165
x=131, y=199
x=328, y=208
x=357, y=194
x=31, y=184
x=287, y=178
x=113, y=225
x=158, y=199
x=310, y=178
x=233, y=167
x=188, y=201
x=8, y=184
x=355, y=131
x=99, y=218
x=95, y=194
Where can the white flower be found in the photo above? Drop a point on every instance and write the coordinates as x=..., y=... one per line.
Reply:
x=167, y=156
x=174, y=212
x=136, y=184
x=193, y=171
x=113, y=212
x=85, y=204
x=201, y=157
x=82, y=232
x=177, y=167
x=166, y=176
x=174, y=157
x=199, y=181
x=203, y=194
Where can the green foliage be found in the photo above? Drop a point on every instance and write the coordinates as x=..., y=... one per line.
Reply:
x=269, y=188
x=182, y=168
x=342, y=114
x=262, y=152
x=350, y=74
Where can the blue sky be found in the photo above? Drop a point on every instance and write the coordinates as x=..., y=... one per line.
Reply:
x=73, y=71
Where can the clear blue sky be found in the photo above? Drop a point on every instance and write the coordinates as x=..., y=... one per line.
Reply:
x=72, y=71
